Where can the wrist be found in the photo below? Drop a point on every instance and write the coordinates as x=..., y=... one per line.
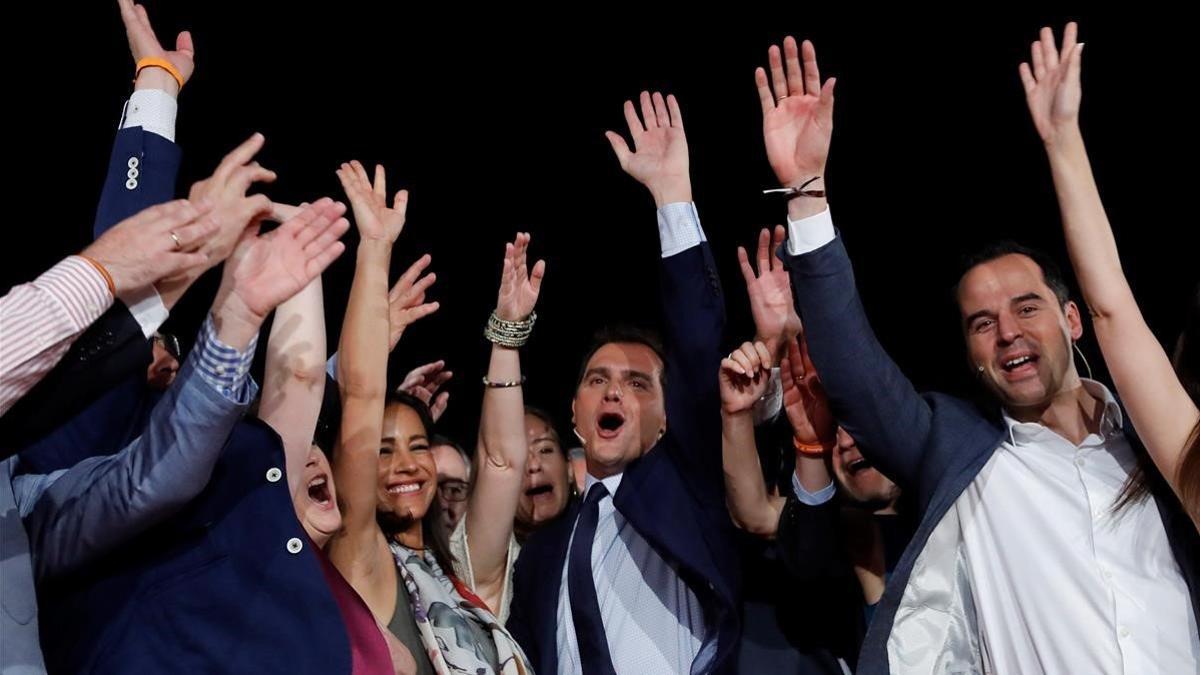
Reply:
x=153, y=77
x=670, y=192
x=235, y=322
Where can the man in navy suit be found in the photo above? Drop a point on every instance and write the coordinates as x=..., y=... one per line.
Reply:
x=641, y=575
x=1031, y=554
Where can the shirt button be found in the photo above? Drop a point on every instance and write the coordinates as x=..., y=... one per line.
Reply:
x=1080, y=461
x=274, y=474
x=294, y=545
x=221, y=371
x=1124, y=632
x=132, y=173
x=131, y=184
x=132, y=163
x=1108, y=574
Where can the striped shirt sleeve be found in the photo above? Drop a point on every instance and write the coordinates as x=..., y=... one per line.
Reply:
x=224, y=368
x=40, y=320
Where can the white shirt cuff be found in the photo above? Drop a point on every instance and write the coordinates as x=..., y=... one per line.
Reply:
x=812, y=498
x=153, y=110
x=679, y=228
x=809, y=234
x=147, y=309
x=767, y=408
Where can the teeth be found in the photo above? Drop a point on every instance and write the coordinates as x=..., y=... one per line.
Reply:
x=1018, y=362
x=317, y=482
x=404, y=489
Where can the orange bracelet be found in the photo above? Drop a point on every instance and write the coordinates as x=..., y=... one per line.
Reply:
x=112, y=288
x=156, y=62
x=809, y=449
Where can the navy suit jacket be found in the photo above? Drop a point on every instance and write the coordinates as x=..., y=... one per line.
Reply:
x=229, y=584
x=674, y=494
x=931, y=445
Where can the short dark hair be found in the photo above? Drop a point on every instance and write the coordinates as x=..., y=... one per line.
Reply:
x=1051, y=273
x=625, y=334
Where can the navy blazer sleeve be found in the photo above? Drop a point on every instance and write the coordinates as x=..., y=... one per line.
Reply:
x=113, y=348
x=694, y=322
x=870, y=397
x=156, y=168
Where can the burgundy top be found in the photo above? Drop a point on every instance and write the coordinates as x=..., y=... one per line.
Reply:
x=369, y=653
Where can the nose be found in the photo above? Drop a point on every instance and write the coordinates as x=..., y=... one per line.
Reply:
x=403, y=461
x=1008, y=329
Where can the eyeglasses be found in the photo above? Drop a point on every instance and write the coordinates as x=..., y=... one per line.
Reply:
x=453, y=490
x=169, y=343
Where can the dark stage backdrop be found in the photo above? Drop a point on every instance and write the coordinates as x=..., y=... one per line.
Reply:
x=494, y=119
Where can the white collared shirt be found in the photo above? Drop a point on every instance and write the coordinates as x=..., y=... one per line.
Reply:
x=1061, y=583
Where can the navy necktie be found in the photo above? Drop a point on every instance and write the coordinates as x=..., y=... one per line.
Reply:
x=585, y=607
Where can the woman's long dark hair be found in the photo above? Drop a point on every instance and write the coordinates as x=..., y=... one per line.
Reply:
x=437, y=540
x=1187, y=366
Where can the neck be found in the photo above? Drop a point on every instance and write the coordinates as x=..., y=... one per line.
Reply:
x=1072, y=413
x=411, y=535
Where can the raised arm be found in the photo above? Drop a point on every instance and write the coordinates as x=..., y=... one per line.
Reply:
x=363, y=354
x=692, y=301
x=294, y=380
x=502, y=445
x=1159, y=407
x=867, y=391
x=79, y=513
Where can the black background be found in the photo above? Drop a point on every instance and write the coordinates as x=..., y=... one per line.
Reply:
x=494, y=120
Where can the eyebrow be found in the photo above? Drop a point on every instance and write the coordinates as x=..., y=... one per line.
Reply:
x=547, y=437
x=978, y=315
x=414, y=437
x=638, y=375
x=1027, y=296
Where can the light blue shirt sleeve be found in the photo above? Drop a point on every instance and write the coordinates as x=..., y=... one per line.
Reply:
x=679, y=228
x=74, y=515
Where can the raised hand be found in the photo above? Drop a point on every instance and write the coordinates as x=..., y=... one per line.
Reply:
x=375, y=221
x=157, y=243
x=406, y=300
x=143, y=43
x=268, y=269
x=770, y=292
x=519, y=285
x=744, y=376
x=424, y=383
x=797, y=113
x=804, y=398
x=232, y=209
x=660, y=156
x=1052, y=89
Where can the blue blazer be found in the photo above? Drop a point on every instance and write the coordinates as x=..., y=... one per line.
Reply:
x=229, y=584
x=674, y=494
x=932, y=445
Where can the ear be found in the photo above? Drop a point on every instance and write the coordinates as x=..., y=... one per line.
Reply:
x=1074, y=320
